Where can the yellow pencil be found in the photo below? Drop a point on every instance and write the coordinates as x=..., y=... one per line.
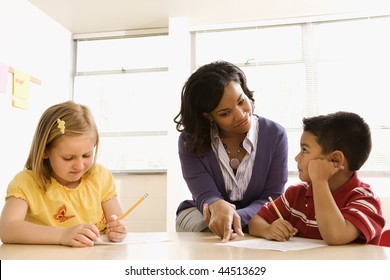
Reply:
x=130, y=209
x=276, y=208
x=133, y=207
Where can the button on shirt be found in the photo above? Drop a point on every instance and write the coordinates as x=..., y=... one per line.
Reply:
x=236, y=184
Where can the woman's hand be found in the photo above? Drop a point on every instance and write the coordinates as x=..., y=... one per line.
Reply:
x=223, y=220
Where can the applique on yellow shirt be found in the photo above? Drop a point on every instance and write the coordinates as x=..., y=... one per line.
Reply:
x=61, y=214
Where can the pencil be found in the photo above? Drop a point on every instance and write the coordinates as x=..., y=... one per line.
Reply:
x=130, y=209
x=276, y=208
x=133, y=207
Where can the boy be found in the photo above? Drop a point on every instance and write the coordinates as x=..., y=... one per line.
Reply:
x=331, y=203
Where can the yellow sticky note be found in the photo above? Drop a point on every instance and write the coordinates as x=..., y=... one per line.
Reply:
x=21, y=85
x=20, y=90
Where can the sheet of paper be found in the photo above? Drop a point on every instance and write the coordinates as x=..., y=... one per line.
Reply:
x=134, y=239
x=296, y=243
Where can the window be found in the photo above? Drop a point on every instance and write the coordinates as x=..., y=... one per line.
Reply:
x=123, y=81
x=296, y=70
x=301, y=70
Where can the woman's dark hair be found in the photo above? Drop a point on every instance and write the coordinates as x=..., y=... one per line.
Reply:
x=202, y=93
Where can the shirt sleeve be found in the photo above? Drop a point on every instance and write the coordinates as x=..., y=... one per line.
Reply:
x=16, y=188
x=268, y=212
x=364, y=211
x=200, y=181
x=105, y=178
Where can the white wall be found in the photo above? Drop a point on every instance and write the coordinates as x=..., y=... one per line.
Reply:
x=179, y=71
x=31, y=42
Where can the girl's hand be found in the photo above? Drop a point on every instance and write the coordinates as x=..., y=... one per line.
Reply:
x=117, y=229
x=83, y=235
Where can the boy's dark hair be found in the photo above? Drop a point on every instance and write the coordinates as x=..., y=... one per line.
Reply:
x=343, y=131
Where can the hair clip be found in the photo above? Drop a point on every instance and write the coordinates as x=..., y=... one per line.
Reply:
x=61, y=125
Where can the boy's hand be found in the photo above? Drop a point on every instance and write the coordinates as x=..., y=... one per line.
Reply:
x=281, y=230
x=322, y=169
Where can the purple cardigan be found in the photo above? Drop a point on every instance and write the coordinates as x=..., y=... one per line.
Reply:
x=204, y=176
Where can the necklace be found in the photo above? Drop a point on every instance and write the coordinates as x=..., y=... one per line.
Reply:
x=234, y=162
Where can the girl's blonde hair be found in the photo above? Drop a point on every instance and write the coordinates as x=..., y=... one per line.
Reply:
x=67, y=118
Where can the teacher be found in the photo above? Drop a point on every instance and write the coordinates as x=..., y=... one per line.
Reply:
x=231, y=159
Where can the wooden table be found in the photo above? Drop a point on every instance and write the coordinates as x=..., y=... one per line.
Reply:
x=186, y=246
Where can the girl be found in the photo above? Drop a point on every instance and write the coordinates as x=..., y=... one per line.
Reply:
x=62, y=196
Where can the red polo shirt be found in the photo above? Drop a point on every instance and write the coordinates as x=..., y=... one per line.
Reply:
x=355, y=199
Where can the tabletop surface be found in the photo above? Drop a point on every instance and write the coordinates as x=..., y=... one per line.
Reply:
x=186, y=246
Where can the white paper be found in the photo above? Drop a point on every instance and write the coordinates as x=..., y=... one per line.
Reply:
x=133, y=239
x=295, y=243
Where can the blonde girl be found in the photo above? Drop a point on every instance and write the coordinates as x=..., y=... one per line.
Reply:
x=62, y=196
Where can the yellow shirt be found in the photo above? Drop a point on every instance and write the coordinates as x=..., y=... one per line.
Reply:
x=60, y=206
